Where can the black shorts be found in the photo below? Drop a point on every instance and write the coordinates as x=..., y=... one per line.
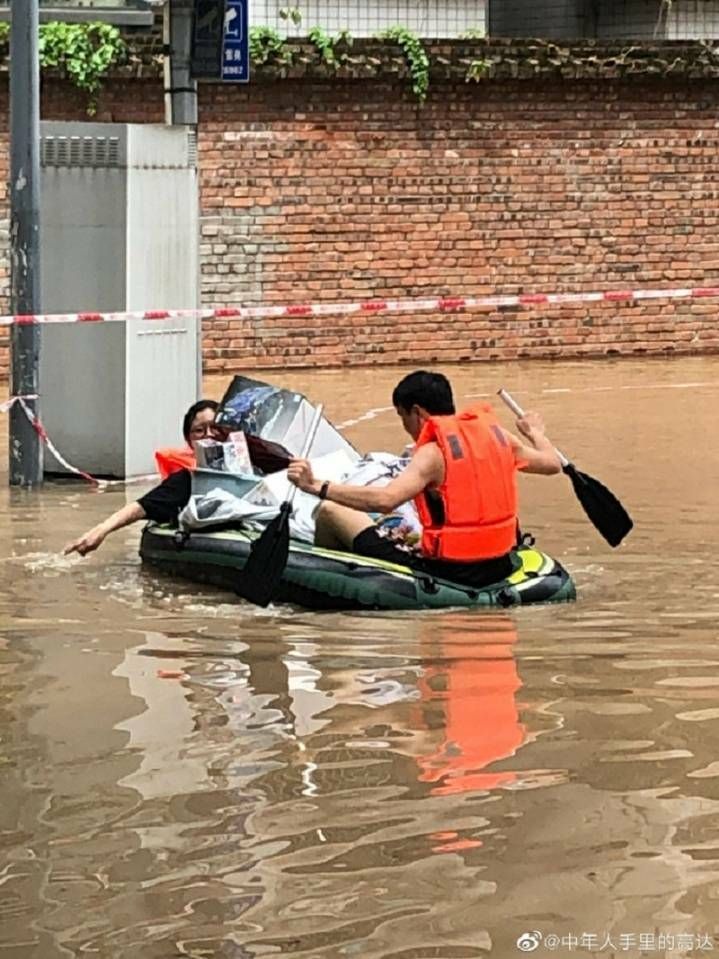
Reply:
x=372, y=544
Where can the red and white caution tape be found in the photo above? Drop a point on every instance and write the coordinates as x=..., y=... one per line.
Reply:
x=6, y=406
x=22, y=402
x=436, y=304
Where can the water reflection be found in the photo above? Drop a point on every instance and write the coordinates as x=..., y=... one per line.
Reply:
x=299, y=785
x=468, y=704
x=185, y=776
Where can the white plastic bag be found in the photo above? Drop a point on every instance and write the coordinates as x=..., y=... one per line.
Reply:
x=218, y=506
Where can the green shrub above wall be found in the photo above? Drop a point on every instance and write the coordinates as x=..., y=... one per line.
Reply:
x=397, y=52
x=336, y=55
x=87, y=53
x=83, y=52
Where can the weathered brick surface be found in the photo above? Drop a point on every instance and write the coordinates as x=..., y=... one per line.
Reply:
x=349, y=191
x=318, y=190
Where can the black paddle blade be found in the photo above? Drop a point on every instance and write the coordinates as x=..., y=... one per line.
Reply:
x=260, y=579
x=601, y=506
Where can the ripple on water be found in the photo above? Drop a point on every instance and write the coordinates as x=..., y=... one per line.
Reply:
x=181, y=774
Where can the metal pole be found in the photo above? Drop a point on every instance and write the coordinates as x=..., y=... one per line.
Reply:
x=183, y=89
x=181, y=99
x=166, y=62
x=25, y=444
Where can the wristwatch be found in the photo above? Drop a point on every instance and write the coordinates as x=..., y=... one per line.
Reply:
x=323, y=489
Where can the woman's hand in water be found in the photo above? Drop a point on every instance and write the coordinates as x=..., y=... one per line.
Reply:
x=87, y=543
x=94, y=537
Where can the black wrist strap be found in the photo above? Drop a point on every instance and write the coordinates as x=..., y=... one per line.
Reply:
x=323, y=489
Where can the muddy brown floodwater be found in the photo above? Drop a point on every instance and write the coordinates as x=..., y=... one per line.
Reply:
x=184, y=775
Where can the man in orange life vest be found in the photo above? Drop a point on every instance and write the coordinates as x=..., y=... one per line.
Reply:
x=163, y=502
x=462, y=478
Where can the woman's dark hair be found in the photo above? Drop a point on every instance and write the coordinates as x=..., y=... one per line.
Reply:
x=431, y=391
x=196, y=408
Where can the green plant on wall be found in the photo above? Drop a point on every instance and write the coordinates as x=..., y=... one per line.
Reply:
x=416, y=57
x=477, y=70
x=268, y=46
x=84, y=52
x=327, y=46
x=291, y=13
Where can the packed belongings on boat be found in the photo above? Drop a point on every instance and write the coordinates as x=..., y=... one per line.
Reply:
x=279, y=417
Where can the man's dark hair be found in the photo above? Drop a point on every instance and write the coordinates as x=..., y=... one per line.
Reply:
x=196, y=408
x=431, y=391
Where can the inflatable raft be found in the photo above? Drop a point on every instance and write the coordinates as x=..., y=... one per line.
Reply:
x=323, y=579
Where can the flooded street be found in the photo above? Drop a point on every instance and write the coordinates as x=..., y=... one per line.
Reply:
x=185, y=775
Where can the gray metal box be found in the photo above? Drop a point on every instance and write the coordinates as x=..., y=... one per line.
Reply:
x=119, y=232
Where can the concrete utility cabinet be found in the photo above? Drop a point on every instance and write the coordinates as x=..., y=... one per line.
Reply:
x=119, y=232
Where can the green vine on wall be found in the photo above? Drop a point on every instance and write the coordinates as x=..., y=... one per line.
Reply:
x=329, y=47
x=268, y=46
x=291, y=13
x=477, y=70
x=84, y=52
x=416, y=57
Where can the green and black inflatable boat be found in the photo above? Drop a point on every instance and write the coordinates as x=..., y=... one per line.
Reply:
x=323, y=579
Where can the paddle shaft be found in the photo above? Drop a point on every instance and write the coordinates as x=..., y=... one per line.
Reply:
x=306, y=446
x=518, y=411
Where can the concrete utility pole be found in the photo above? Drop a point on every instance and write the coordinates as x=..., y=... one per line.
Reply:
x=180, y=88
x=26, y=466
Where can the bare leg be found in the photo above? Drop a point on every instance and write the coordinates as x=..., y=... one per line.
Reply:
x=337, y=526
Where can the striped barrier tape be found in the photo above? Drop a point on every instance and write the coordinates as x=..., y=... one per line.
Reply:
x=440, y=304
x=407, y=305
x=22, y=402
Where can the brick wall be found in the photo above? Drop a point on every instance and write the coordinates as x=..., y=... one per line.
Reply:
x=327, y=190
x=316, y=192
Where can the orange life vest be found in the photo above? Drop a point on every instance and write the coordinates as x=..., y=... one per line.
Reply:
x=478, y=498
x=171, y=460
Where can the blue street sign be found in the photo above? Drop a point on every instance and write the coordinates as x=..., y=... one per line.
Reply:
x=235, y=43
